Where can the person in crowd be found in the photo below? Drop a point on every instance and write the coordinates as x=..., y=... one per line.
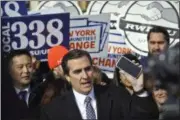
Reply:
x=54, y=82
x=168, y=104
x=100, y=77
x=35, y=63
x=55, y=56
x=159, y=94
x=89, y=101
x=20, y=99
x=37, y=75
x=120, y=79
x=158, y=42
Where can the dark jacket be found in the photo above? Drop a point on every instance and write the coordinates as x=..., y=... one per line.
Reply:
x=112, y=104
x=57, y=86
x=15, y=109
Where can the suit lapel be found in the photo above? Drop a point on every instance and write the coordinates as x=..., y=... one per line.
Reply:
x=72, y=108
x=104, y=103
x=33, y=94
x=31, y=98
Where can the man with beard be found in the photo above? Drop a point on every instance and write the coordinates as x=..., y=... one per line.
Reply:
x=158, y=42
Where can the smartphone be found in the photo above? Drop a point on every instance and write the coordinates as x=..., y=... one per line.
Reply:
x=129, y=67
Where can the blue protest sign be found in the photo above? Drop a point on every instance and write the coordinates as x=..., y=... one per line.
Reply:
x=35, y=33
x=13, y=8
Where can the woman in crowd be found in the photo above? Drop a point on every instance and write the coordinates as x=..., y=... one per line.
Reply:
x=54, y=82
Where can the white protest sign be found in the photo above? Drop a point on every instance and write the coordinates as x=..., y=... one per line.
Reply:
x=133, y=19
x=85, y=38
x=103, y=20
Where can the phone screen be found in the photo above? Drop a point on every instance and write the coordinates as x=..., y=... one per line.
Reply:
x=129, y=67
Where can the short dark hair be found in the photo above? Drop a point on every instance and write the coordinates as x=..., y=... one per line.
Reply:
x=15, y=53
x=73, y=54
x=159, y=29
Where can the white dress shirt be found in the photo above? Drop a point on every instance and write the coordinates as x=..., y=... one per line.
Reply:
x=27, y=95
x=80, y=98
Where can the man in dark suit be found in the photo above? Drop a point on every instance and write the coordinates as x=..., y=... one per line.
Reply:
x=20, y=97
x=88, y=101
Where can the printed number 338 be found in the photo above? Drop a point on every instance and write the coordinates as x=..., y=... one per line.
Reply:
x=37, y=26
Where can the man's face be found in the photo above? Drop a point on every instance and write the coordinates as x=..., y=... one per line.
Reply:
x=80, y=74
x=157, y=43
x=21, y=70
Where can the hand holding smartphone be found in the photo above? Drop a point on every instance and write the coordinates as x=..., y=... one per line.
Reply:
x=129, y=67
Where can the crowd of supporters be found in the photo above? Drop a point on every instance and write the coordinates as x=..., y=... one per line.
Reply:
x=60, y=93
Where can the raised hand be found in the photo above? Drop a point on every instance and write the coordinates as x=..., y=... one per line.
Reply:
x=138, y=83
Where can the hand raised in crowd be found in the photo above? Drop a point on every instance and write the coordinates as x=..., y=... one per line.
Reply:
x=137, y=83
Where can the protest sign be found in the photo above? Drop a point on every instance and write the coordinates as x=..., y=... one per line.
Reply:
x=64, y=6
x=13, y=8
x=85, y=38
x=78, y=22
x=116, y=48
x=85, y=24
x=35, y=33
x=99, y=22
x=132, y=20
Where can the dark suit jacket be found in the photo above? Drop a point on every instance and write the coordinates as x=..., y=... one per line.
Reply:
x=112, y=104
x=15, y=109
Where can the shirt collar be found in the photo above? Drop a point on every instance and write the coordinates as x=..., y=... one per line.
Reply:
x=81, y=97
x=25, y=89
